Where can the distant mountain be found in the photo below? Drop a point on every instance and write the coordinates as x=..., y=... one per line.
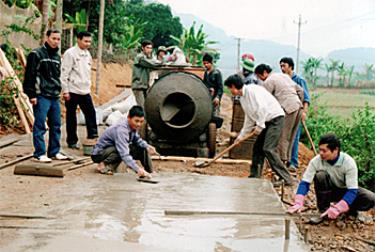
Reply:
x=357, y=56
x=265, y=51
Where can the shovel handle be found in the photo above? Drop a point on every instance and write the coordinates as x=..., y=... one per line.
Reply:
x=230, y=147
x=309, y=137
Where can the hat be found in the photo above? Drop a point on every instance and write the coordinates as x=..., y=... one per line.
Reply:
x=162, y=49
x=248, y=64
x=249, y=56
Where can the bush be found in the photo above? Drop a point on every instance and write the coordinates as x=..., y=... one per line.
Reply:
x=357, y=137
x=8, y=110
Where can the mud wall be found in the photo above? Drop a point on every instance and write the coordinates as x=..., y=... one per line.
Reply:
x=16, y=15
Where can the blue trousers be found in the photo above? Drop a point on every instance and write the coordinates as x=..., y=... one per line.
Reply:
x=47, y=108
x=294, y=158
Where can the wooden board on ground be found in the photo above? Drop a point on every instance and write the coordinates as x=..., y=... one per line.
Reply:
x=185, y=159
x=33, y=168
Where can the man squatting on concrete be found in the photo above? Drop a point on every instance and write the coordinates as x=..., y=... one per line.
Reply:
x=42, y=85
x=264, y=116
x=335, y=177
x=290, y=97
x=76, y=85
x=143, y=64
x=121, y=142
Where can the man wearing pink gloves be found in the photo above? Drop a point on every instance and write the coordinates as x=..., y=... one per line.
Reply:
x=335, y=176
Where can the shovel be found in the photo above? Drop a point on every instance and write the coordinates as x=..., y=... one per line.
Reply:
x=201, y=163
x=309, y=137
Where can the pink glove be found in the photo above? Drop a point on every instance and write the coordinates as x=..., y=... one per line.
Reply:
x=298, y=204
x=334, y=211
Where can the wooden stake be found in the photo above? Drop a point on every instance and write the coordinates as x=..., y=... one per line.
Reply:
x=15, y=161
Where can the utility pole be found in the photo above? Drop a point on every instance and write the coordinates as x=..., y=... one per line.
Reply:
x=238, y=53
x=299, y=23
x=100, y=45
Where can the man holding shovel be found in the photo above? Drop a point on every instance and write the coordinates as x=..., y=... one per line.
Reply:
x=121, y=142
x=265, y=117
x=335, y=177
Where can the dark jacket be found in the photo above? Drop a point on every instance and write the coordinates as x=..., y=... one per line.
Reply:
x=42, y=75
x=215, y=81
x=141, y=71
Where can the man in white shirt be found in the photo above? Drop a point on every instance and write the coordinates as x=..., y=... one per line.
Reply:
x=76, y=86
x=264, y=116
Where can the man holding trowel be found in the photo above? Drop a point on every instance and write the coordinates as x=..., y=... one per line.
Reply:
x=121, y=142
x=265, y=117
x=335, y=177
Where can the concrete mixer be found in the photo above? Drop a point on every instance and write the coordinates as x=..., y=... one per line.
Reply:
x=179, y=112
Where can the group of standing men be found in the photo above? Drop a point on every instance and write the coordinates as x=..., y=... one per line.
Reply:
x=273, y=111
x=45, y=77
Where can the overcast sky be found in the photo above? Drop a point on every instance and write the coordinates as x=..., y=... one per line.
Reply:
x=331, y=24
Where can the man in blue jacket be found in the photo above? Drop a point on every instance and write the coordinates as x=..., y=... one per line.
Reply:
x=42, y=85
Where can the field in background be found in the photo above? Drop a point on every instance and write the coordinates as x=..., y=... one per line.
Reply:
x=343, y=102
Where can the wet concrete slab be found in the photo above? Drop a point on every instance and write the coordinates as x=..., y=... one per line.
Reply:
x=118, y=213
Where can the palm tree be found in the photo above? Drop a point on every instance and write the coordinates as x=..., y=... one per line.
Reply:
x=194, y=44
x=310, y=69
x=350, y=71
x=328, y=70
x=334, y=65
x=341, y=71
x=369, y=70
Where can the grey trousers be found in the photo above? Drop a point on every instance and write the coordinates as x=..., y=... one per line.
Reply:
x=112, y=158
x=288, y=134
x=327, y=192
x=140, y=96
x=266, y=147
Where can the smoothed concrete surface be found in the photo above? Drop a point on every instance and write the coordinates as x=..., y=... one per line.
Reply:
x=117, y=213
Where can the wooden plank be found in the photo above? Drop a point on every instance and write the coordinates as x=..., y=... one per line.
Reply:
x=22, y=114
x=23, y=216
x=11, y=73
x=12, y=162
x=185, y=159
x=74, y=167
x=76, y=161
x=8, y=142
x=21, y=57
x=39, y=170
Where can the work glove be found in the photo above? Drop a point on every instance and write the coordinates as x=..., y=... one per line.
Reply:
x=298, y=204
x=335, y=210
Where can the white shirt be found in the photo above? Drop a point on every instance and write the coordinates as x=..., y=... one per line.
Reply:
x=343, y=174
x=259, y=106
x=76, y=71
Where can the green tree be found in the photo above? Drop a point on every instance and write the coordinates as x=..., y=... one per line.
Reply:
x=310, y=69
x=369, y=71
x=328, y=71
x=161, y=24
x=334, y=64
x=350, y=72
x=195, y=44
x=342, y=72
x=79, y=20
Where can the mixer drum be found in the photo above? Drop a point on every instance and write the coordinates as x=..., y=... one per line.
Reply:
x=178, y=107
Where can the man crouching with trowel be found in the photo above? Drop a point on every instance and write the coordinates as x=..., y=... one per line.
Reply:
x=121, y=142
x=335, y=176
